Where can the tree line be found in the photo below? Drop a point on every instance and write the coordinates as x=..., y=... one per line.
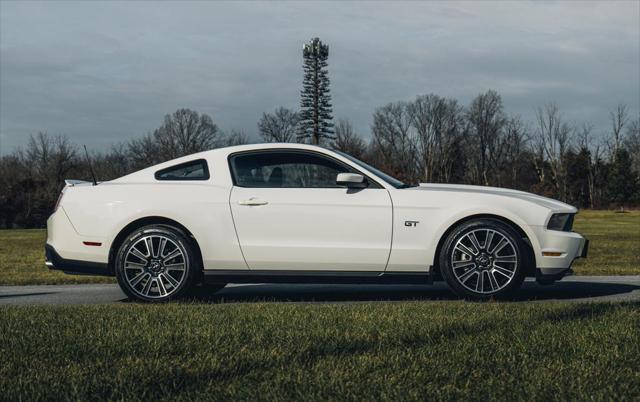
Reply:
x=427, y=139
x=438, y=140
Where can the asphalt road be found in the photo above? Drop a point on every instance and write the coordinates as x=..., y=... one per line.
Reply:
x=575, y=289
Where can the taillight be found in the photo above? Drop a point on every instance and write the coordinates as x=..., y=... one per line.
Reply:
x=58, y=202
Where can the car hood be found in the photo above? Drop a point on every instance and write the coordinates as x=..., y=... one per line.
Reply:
x=549, y=203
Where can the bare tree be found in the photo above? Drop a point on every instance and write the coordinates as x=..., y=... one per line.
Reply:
x=438, y=125
x=347, y=140
x=280, y=126
x=513, y=148
x=186, y=132
x=112, y=164
x=632, y=142
x=584, y=136
x=618, y=120
x=182, y=133
x=17, y=186
x=52, y=157
x=144, y=152
x=49, y=160
x=486, y=122
x=553, y=136
x=235, y=137
x=393, y=140
x=586, y=142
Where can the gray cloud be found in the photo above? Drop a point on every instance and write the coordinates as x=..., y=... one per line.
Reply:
x=108, y=72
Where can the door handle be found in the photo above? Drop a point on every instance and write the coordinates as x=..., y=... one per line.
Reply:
x=253, y=202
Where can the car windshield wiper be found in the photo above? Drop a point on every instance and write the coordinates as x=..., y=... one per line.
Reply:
x=405, y=185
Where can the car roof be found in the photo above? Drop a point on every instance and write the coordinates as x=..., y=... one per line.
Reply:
x=147, y=174
x=268, y=145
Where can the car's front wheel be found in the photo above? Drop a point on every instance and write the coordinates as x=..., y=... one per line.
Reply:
x=483, y=259
x=156, y=263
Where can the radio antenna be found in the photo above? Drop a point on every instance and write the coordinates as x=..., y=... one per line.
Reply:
x=93, y=175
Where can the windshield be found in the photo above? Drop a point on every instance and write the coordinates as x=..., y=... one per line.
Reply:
x=391, y=180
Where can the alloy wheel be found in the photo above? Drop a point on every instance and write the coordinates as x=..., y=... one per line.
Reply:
x=484, y=261
x=155, y=266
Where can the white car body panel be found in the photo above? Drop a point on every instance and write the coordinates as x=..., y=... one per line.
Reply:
x=437, y=209
x=204, y=213
x=299, y=229
x=314, y=228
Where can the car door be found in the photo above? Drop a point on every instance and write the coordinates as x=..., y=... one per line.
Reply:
x=289, y=214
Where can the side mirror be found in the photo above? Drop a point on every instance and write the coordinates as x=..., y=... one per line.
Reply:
x=351, y=180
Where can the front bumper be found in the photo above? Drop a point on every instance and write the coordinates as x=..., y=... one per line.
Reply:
x=53, y=261
x=558, y=269
x=585, y=249
x=556, y=250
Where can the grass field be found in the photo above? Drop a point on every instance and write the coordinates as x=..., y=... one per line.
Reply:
x=22, y=261
x=614, y=250
x=284, y=351
x=614, y=247
x=261, y=350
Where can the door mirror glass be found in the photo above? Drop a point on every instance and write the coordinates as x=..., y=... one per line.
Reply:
x=351, y=180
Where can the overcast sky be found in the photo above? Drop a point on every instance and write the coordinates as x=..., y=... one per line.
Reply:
x=107, y=72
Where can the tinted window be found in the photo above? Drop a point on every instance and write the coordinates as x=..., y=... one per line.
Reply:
x=193, y=170
x=286, y=170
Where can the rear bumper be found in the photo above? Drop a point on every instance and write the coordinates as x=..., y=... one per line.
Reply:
x=54, y=261
x=66, y=250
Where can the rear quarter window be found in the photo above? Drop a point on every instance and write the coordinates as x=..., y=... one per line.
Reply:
x=192, y=170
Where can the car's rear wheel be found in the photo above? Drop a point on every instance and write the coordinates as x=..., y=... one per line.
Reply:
x=483, y=259
x=155, y=264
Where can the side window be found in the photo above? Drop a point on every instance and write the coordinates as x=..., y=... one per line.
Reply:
x=192, y=170
x=285, y=170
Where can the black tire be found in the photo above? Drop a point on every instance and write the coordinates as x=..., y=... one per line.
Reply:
x=483, y=275
x=159, y=271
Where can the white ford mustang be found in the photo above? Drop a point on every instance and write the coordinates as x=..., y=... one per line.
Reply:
x=300, y=213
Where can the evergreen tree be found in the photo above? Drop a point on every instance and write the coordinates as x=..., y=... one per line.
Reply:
x=622, y=180
x=578, y=177
x=315, y=100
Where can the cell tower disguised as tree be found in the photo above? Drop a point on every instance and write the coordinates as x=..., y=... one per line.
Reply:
x=315, y=103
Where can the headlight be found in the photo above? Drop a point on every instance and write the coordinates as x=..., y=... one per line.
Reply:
x=563, y=222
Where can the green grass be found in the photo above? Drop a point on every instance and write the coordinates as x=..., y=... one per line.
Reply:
x=614, y=250
x=22, y=261
x=280, y=351
x=290, y=351
x=614, y=247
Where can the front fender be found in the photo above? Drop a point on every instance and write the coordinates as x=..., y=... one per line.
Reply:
x=414, y=247
x=465, y=215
